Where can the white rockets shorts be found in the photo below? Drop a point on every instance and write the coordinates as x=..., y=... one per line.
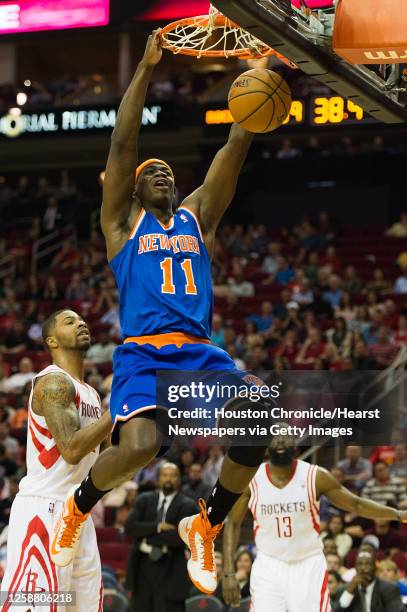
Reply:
x=289, y=587
x=29, y=568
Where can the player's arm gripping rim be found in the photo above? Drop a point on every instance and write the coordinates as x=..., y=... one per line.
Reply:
x=210, y=201
x=231, y=537
x=340, y=497
x=54, y=398
x=118, y=213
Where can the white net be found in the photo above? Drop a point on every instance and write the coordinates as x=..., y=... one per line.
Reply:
x=212, y=35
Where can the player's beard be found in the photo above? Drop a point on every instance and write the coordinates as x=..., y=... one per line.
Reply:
x=281, y=459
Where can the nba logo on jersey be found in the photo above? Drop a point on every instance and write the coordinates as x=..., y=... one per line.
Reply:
x=51, y=507
x=184, y=218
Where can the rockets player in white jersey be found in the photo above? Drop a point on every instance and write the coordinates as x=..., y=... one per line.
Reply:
x=290, y=572
x=65, y=429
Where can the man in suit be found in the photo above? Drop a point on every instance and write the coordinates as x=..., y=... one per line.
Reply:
x=157, y=571
x=365, y=592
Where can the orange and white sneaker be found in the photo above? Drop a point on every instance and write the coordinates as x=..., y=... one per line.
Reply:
x=67, y=531
x=199, y=535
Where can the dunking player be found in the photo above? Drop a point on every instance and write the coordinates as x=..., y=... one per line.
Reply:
x=289, y=573
x=161, y=261
x=65, y=429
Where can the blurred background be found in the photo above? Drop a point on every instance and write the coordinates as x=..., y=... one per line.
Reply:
x=310, y=270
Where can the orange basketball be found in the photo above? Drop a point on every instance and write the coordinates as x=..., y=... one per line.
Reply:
x=259, y=100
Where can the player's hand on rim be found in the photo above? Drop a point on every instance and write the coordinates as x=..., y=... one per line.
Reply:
x=153, y=52
x=231, y=591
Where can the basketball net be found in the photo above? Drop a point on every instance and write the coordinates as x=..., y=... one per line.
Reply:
x=214, y=35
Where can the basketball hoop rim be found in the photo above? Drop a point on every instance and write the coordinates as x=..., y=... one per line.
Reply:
x=217, y=21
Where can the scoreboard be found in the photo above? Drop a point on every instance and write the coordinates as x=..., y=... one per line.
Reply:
x=319, y=111
x=17, y=16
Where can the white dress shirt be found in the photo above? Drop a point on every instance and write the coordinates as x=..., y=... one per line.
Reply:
x=347, y=598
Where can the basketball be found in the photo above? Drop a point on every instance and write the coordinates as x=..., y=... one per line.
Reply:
x=259, y=100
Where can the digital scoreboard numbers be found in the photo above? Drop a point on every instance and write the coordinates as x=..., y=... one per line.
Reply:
x=335, y=110
x=320, y=111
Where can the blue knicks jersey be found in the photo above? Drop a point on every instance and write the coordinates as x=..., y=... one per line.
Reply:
x=163, y=274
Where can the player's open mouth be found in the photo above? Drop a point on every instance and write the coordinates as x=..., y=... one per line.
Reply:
x=83, y=333
x=161, y=183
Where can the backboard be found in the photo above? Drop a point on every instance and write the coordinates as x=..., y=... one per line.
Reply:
x=304, y=36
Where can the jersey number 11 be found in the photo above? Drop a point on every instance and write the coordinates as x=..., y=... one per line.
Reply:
x=168, y=282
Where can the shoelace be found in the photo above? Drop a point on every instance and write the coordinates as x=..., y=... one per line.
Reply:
x=72, y=524
x=207, y=539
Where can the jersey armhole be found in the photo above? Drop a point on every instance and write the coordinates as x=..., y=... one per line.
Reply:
x=193, y=215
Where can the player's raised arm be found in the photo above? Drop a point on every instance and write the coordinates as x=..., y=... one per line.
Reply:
x=211, y=200
x=118, y=185
x=231, y=536
x=342, y=498
x=54, y=399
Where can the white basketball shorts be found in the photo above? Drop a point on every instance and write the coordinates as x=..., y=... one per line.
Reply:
x=29, y=568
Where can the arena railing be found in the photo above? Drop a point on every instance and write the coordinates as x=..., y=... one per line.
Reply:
x=49, y=244
x=391, y=381
x=7, y=266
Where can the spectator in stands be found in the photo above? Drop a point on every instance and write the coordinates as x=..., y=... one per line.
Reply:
x=340, y=337
x=157, y=570
x=378, y=284
x=34, y=332
x=50, y=290
x=355, y=468
x=361, y=321
x=312, y=267
x=67, y=257
x=232, y=351
x=387, y=570
x=52, y=218
x=76, y=288
x=263, y=320
x=212, y=466
x=195, y=486
x=366, y=592
x=384, y=351
x=334, y=563
x=239, y=285
x=400, y=285
x=399, y=229
x=15, y=340
x=400, y=336
x=351, y=282
x=269, y=265
x=312, y=349
x=5, y=503
x=371, y=333
x=391, y=539
x=336, y=530
x=102, y=351
x=6, y=411
x=16, y=382
x=390, y=314
x=385, y=488
x=19, y=420
x=399, y=466
x=218, y=333
x=287, y=151
x=334, y=295
x=243, y=568
x=284, y=273
x=331, y=261
x=8, y=467
x=334, y=582
x=346, y=309
x=303, y=295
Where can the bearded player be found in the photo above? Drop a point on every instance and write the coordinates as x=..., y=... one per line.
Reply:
x=65, y=429
x=290, y=566
x=161, y=259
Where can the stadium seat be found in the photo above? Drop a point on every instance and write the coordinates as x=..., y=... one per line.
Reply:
x=115, y=555
x=115, y=601
x=106, y=534
x=244, y=606
x=204, y=602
